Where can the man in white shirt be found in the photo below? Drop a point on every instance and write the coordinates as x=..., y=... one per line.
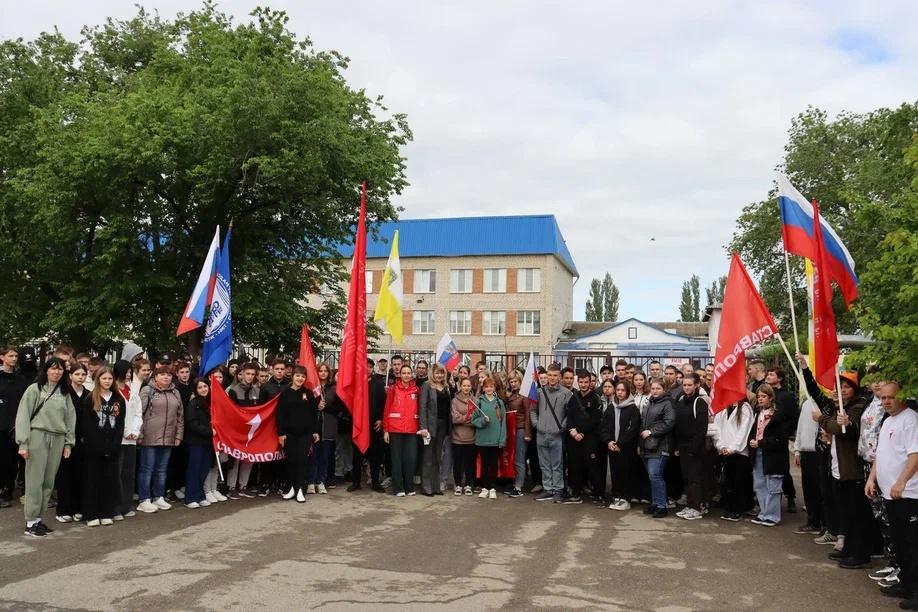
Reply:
x=895, y=472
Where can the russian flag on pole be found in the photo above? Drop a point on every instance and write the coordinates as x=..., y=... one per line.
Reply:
x=529, y=387
x=797, y=219
x=447, y=353
x=218, y=339
x=193, y=317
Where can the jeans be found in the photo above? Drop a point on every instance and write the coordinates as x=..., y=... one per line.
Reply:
x=655, y=467
x=520, y=459
x=322, y=461
x=551, y=460
x=154, y=462
x=196, y=471
x=768, y=489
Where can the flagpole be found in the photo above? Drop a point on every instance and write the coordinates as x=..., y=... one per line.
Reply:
x=790, y=299
x=841, y=402
x=219, y=467
x=789, y=358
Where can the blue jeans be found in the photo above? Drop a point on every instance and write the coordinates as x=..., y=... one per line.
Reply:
x=154, y=460
x=767, y=490
x=199, y=456
x=520, y=459
x=551, y=459
x=324, y=455
x=655, y=467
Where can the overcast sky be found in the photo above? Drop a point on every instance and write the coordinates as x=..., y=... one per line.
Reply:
x=627, y=122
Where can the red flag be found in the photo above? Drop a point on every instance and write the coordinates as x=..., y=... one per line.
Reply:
x=248, y=433
x=825, y=336
x=745, y=321
x=353, y=373
x=308, y=360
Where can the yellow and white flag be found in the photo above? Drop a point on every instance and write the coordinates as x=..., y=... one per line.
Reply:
x=389, y=304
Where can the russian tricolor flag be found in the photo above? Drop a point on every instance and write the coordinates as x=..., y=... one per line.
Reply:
x=193, y=317
x=797, y=219
x=447, y=353
x=529, y=387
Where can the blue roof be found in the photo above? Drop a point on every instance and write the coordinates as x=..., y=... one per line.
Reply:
x=463, y=236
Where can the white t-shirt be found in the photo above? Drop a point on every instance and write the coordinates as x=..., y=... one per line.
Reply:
x=898, y=439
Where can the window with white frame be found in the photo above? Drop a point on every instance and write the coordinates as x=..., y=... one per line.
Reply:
x=495, y=280
x=528, y=323
x=425, y=281
x=528, y=280
x=493, y=322
x=460, y=321
x=369, y=276
x=460, y=281
x=422, y=322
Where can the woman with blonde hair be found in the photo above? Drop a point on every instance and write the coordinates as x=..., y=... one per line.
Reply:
x=102, y=426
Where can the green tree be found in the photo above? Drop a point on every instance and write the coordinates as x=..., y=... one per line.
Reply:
x=854, y=165
x=690, y=302
x=594, y=304
x=715, y=293
x=610, y=299
x=119, y=155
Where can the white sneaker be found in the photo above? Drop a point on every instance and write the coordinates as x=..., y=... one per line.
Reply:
x=64, y=519
x=311, y=489
x=468, y=490
x=492, y=494
x=78, y=517
x=147, y=506
x=130, y=513
x=483, y=494
x=118, y=517
x=193, y=505
x=162, y=504
x=220, y=496
x=681, y=513
x=93, y=523
x=321, y=489
x=682, y=501
x=400, y=494
x=210, y=498
x=289, y=494
x=107, y=522
x=458, y=491
x=691, y=514
x=180, y=493
x=300, y=497
x=203, y=503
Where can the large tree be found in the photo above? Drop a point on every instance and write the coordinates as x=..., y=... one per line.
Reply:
x=690, y=301
x=603, y=303
x=120, y=154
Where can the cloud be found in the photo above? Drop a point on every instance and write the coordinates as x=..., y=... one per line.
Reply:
x=627, y=122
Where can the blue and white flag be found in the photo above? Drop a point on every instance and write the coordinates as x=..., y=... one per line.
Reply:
x=218, y=339
x=529, y=387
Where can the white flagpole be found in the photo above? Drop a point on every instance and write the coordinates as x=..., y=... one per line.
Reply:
x=219, y=467
x=841, y=402
x=790, y=299
x=790, y=359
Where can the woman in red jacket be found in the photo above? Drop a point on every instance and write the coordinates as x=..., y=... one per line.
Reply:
x=400, y=426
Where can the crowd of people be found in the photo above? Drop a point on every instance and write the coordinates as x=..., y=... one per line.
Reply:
x=137, y=437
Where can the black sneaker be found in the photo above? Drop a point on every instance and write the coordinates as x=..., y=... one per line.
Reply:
x=264, y=491
x=650, y=509
x=575, y=499
x=731, y=516
x=331, y=484
x=41, y=525
x=897, y=590
x=233, y=494
x=659, y=513
x=514, y=493
x=852, y=563
x=353, y=487
x=836, y=555
x=379, y=488
x=558, y=497
x=247, y=494
x=35, y=531
x=791, y=506
x=545, y=496
x=807, y=529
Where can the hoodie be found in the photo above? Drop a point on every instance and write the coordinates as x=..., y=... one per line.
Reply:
x=490, y=431
x=57, y=415
x=691, y=424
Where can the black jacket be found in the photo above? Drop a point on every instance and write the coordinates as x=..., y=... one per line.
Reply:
x=244, y=395
x=691, y=424
x=297, y=412
x=271, y=388
x=787, y=402
x=12, y=386
x=584, y=413
x=773, y=445
x=198, y=429
x=377, y=398
x=629, y=426
x=101, y=431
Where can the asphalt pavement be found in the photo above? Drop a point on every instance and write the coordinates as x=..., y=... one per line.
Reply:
x=366, y=550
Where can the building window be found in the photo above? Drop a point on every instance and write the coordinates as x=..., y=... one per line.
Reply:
x=369, y=276
x=529, y=280
x=495, y=362
x=425, y=281
x=460, y=321
x=422, y=322
x=528, y=323
x=495, y=280
x=632, y=333
x=493, y=322
x=460, y=281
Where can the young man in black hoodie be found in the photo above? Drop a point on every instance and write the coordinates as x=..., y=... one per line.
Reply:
x=12, y=386
x=690, y=431
x=584, y=415
x=377, y=396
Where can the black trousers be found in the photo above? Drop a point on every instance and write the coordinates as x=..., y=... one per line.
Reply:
x=178, y=466
x=489, y=456
x=373, y=456
x=672, y=475
x=464, y=464
x=736, y=492
x=812, y=492
x=9, y=463
x=584, y=458
x=297, y=449
x=858, y=524
x=830, y=504
x=69, y=484
x=692, y=464
x=903, y=528
x=621, y=467
x=101, y=487
x=640, y=480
